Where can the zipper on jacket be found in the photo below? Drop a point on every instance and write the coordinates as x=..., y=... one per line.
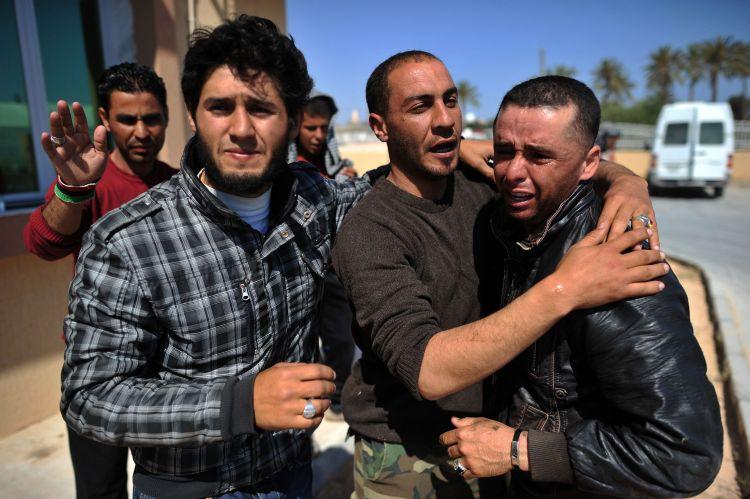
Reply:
x=245, y=294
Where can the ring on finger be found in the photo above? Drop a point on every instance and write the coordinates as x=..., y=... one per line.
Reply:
x=58, y=141
x=645, y=219
x=309, y=411
x=458, y=467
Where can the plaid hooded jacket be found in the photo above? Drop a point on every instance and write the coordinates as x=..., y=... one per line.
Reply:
x=176, y=303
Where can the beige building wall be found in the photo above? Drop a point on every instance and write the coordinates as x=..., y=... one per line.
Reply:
x=33, y=293
x=33, y=303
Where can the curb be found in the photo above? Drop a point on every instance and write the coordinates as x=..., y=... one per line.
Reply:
x=733, y=367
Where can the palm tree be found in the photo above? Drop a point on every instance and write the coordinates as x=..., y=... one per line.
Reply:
x=694, y=67
x=610, y=78
x=717, y=54
x=467, y=94
x=662, y=71
x=563, y=70
x=739, y=64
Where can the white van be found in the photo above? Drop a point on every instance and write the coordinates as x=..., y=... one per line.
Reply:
x=693, y=146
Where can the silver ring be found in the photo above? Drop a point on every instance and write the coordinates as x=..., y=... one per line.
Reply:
x=645, y=219
x=309, y=410
x=458, y=467
x=58, y=141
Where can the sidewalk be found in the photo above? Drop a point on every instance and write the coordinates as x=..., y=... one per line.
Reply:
x=38, y=455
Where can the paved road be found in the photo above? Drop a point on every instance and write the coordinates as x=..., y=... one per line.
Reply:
x=715, y=235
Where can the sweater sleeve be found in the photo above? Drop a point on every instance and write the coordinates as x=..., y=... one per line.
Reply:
x=664, y=438
x=393, y=308
x=43, y=241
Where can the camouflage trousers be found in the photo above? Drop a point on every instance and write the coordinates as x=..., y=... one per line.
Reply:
x=389, y=471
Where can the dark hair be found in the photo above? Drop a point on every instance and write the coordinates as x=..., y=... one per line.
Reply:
x=376, y=91
x=321, y=105
x=556, y=92
x=248, y=45
x=131, y=78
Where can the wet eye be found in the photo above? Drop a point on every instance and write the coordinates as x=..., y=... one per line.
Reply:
x=538, y=157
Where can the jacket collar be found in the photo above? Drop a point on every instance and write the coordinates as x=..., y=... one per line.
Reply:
x=510, y=231
x=283, y=193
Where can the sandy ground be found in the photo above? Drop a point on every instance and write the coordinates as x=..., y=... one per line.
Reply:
x=725, y=485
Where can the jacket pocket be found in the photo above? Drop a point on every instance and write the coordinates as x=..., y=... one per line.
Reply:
x=531, y=417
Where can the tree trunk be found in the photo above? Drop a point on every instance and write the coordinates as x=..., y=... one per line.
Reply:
x=714, y=85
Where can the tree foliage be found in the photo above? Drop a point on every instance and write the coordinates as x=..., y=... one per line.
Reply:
x=468, y=94
x=563, y=70
x=612, y=81
x=717, y=54
x=694, y=67
x=663, y=71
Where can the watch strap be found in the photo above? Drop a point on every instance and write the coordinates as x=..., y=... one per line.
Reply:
x=515, y=459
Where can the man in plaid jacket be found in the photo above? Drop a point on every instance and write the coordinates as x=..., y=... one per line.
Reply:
x=192, y=326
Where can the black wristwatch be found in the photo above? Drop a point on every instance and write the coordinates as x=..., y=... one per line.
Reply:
x=515, y=460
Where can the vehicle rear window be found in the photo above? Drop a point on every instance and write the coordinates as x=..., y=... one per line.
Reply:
x=676, y=134
x=712, y=133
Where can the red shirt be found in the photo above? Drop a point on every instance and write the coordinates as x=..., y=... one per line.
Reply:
x=113, y=190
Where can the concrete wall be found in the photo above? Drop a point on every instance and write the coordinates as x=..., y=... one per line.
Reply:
x=33, y=303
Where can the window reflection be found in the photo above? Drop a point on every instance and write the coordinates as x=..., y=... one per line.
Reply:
x=17, y=165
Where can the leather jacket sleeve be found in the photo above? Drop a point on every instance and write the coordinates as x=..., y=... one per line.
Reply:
x=664, y=436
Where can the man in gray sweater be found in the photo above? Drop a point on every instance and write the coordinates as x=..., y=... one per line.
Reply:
x=413, y=256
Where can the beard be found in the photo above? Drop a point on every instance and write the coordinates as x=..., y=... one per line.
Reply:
x=241, y=184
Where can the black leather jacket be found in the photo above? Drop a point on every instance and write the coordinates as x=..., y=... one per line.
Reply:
x=616, y=398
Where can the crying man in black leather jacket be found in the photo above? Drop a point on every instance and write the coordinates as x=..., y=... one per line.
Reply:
x=612, y=400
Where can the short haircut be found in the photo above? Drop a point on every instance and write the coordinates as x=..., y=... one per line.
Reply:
x=130, y=78
x=248, y=45
x=377, y=91
x=321, y=105
x=557, y=92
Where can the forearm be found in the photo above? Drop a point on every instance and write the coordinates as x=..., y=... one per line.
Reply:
x=43, y=241
x=457, y=358
x=63, y=218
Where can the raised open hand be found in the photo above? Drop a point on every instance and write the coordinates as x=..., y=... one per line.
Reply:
x=74, y=156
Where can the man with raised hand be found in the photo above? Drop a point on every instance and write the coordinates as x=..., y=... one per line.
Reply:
x=612, y=400
x=418, y=260
x=134, y=112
